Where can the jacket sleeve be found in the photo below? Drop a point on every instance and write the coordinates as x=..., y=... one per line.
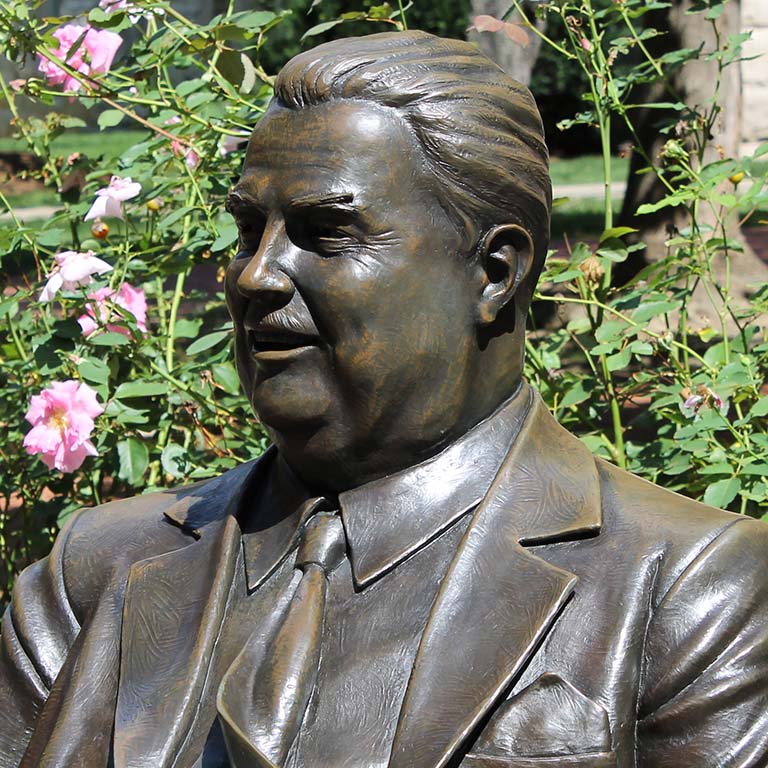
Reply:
x=38, y=630
x=704, y=701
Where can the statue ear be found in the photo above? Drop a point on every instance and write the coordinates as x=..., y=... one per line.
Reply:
x=505, y=258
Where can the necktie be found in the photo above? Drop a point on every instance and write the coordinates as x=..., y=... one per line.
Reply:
x=264, y=694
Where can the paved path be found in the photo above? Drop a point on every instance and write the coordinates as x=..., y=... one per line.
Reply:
x=31, y=214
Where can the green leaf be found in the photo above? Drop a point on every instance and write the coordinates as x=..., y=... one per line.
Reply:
x=230, y=64
x=227, y=236
x=174, y=460
x=575, y=395
x=94, y=370
x=115, y=21
x=249, y=75
x=68, y=328
x=671, y=201
x=616, y=232
x=723, y=492
x=109, y=118
x=126, y=415
x=52, y=237
x=109, y=339
x=653, y=309
x=755, y=468
x=206, y=342
x=382, y=11
x=318, y=29
x=619, y=360
x=722, y=468
x=47, y=359
x=715, y=12
x=613, y=249
x=641, y=348
x=254, y=19
x=225, y=375
x=760, y=408
x=186, y=87
x=134, y=458
x=187, y=328
x=611, y=330
x=141, y=389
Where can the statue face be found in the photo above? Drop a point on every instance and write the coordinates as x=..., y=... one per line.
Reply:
x=353, y=304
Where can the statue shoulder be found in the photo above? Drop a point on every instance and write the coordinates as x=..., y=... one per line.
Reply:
x=673, y=528
x=100, y=544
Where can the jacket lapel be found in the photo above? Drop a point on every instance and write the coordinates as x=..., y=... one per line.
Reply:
x=498, y=600
x=172, y=615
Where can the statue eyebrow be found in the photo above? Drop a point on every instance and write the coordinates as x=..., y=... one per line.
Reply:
x=239, y=198
x=340, y=202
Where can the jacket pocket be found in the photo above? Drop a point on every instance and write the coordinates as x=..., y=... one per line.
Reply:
x=548, y=723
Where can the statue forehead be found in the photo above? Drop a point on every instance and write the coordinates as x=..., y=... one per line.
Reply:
x=344, y=142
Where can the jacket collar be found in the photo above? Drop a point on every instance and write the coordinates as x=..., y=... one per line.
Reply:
x=211, y=500
x=388, y=520
x=498, y=600
x=385, y=521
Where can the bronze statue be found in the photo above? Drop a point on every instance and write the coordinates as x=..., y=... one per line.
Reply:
x=425, y=570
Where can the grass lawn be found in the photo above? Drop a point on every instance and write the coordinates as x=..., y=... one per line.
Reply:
x=587, y=169
x=110, y=143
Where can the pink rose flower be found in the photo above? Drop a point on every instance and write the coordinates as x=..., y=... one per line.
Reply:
x=72, y=270
x=94, y=55
x=191, y=158
x=62, y=419
x=109, y=200
x=99, y=313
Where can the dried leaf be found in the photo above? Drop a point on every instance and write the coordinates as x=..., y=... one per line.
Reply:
x=485, y=23
x=516, y=34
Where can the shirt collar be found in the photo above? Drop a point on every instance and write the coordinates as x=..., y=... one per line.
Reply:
x=390, y=519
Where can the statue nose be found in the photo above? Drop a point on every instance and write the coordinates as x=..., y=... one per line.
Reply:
x=263, y=279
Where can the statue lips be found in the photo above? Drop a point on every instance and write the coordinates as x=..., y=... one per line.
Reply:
x=274, y=342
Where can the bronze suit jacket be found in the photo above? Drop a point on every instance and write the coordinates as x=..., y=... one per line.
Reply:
x=588, y=618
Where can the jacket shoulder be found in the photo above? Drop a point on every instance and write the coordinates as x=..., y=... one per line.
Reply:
x=671, y=528
x=102, y=543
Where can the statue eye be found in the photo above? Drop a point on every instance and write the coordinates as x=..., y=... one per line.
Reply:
x=251, y=231
x=329, y=235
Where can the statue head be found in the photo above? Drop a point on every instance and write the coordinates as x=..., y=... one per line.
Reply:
x=394, y=216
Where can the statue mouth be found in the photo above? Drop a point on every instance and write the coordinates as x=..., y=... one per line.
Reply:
x=273, y=344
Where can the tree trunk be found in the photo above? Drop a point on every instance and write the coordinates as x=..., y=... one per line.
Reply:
x=514, y=59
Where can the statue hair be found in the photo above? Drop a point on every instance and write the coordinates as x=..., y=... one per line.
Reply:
x=480, y=130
